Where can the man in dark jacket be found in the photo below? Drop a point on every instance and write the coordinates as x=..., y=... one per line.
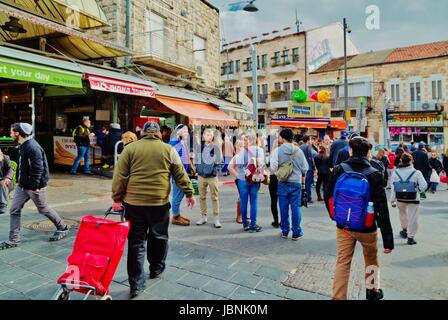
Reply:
x=32, y=179
x=82, y=139
x=309, y=153
x=336, y=147
x=421, y=161
x=346, y=238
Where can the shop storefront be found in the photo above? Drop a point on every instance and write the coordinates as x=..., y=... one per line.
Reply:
x=310, y=118
x=424, y=127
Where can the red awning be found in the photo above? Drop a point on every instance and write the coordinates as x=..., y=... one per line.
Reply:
x=299, y=124
x=198, y=113
x=120, y=86
x=339, y=124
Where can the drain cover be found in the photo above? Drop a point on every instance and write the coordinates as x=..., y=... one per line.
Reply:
x=47, y=225
x=316, y=273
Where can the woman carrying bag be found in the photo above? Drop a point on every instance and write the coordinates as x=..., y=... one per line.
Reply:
x=407, y=184
x=248, y=168
x=437, y=169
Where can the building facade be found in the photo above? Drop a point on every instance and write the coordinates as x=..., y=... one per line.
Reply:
x=411, y=83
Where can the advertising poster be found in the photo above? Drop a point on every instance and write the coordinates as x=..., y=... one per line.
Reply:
x=65, y=151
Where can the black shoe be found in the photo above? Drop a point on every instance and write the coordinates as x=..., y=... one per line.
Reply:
x=404, y=234
x=255, y=228
x=246, y=227
x=411, y=241
x=135, y=293
x=74, y=173
x=374, y=295
x=89, y=173
x=156, y=273
x=275, y=224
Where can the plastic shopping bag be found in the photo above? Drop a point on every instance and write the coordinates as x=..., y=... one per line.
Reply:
x=434, y=177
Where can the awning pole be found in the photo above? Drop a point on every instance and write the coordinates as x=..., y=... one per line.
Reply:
x=114, y=109
x=33, y=113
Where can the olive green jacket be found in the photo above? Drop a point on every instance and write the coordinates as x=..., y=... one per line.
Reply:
x=142, y=173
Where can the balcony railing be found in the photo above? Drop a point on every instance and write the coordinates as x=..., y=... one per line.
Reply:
x=353, y=103
x=284, y=96
x=160, y=49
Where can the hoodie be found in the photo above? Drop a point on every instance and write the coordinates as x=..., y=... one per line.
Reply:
x=282, y=154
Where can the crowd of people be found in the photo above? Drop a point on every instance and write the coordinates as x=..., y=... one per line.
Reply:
x=155, y=163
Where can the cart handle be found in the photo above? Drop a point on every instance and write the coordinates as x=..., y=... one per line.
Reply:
x=120, y=213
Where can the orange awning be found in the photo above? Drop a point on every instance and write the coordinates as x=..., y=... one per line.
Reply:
x=299, y=124
x=198, y=113
x=338, y=124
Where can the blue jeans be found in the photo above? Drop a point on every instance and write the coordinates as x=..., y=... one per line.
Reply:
x=290, y=195
x=178, y=196
x=434, y=186
x=308, y=183
x=248, y=190
x=83, y=152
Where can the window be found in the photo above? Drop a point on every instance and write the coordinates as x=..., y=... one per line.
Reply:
x=264, y=61
x=264, y=89
x=231, y=67
x=258, y=62
x=224, y=69
x=287, y=86
x=249, y=90
x=155, y=28
x=295, y=85
x=237, y=66
x=199, y=48
x=295, y=55
x=395, y=92
x=238, y=91
x=277, y=86
x=415, y=93
x=436, y=90
x=285, y=57
x=276, y=58
x=248, y=64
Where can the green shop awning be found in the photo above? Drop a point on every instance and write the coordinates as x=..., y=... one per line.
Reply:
x=32, y=72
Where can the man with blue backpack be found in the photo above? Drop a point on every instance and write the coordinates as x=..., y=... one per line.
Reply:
x=356, y=200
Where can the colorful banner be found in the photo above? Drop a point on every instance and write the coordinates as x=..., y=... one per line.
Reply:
x=65, y=151
x=122, y=87
x=309, y=110
x=25, y=71
x=432, y=120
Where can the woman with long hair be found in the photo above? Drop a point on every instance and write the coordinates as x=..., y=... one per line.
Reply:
x=322, y=161
x=239, y=167
x=409, y=208
x=382, y=156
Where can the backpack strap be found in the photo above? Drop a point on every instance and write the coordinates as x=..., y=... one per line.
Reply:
x=368, y=171
x=347, y=167
x=410, y=176
x=399, y=177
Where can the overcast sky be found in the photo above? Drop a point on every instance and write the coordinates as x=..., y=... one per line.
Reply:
x=402, y=22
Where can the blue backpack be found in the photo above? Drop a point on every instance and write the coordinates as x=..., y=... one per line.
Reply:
x=351, y=197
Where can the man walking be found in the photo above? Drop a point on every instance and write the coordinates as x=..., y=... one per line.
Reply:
x=289, y=188
x=81, y=135
x=309, y=155
x=141, y=184
x=421, y=162
x=337, y=146
x=208, y=164
x=343, y=199
x=32, y=179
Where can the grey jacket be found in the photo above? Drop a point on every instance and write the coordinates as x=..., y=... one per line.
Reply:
x=309, y=153
x=282, y=154
x=405, y=172
x=208, y=161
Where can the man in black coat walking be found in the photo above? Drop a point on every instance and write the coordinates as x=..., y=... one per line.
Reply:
x=336, y=147
x=421, y=161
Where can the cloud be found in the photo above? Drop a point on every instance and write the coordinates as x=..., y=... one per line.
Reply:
x=402, y=22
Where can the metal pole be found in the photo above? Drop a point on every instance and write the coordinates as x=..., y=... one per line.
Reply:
x=227, y=68
x=360, y=113
x=385, y=131
x=345, y=73
x=254, y=84
x=33, y=113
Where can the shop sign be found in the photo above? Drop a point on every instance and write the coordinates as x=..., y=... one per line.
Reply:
x=122, y=87
x=23, y=71
x=65, y=151
x=432, y=120
x=309, y=110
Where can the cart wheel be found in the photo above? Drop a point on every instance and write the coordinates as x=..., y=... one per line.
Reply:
x=106, y=297
x=62, y=294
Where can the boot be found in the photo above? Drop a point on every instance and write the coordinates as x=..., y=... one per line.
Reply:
x=374, y=295
x=238, y=213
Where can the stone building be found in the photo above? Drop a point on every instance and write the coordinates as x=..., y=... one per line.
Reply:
x=411, y=82
x=171, y=40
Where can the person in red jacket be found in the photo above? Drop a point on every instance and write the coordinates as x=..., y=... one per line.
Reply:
x=390, y=169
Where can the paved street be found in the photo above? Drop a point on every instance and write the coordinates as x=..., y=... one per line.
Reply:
x=227, y=263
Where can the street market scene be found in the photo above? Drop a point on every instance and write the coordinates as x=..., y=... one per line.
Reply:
x=219, y=150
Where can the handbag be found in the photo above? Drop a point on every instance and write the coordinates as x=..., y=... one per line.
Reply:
x=434, y=177
x=443, y=177
x=252, y=172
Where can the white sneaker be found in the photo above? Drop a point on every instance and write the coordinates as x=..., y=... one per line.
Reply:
x=202, y=221
x=217, y=224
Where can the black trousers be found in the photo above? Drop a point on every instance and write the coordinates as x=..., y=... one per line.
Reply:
x=273, y=188
x=322, y=180
x=149, y=228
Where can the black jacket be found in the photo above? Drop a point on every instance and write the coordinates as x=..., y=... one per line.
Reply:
x=445, y=163
x=377, y=194
x=82, y=136
x=33, y=172
x=334, y=150
x=322, y=163
x=436, y=164
x=421, y=162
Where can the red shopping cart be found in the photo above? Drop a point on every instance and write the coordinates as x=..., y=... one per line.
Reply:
x=97, y=251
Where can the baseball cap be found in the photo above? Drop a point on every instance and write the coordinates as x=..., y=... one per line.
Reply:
x=421, y=145
x=344, y=133
x=151, y=127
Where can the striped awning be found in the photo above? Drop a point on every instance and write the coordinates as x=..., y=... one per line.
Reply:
x=60, y=37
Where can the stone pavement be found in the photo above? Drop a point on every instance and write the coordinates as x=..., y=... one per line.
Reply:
x=212, y=264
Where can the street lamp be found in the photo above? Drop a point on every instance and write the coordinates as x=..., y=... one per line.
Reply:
x=347, y=29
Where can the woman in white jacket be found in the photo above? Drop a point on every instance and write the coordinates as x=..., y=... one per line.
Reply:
x=409, y=208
